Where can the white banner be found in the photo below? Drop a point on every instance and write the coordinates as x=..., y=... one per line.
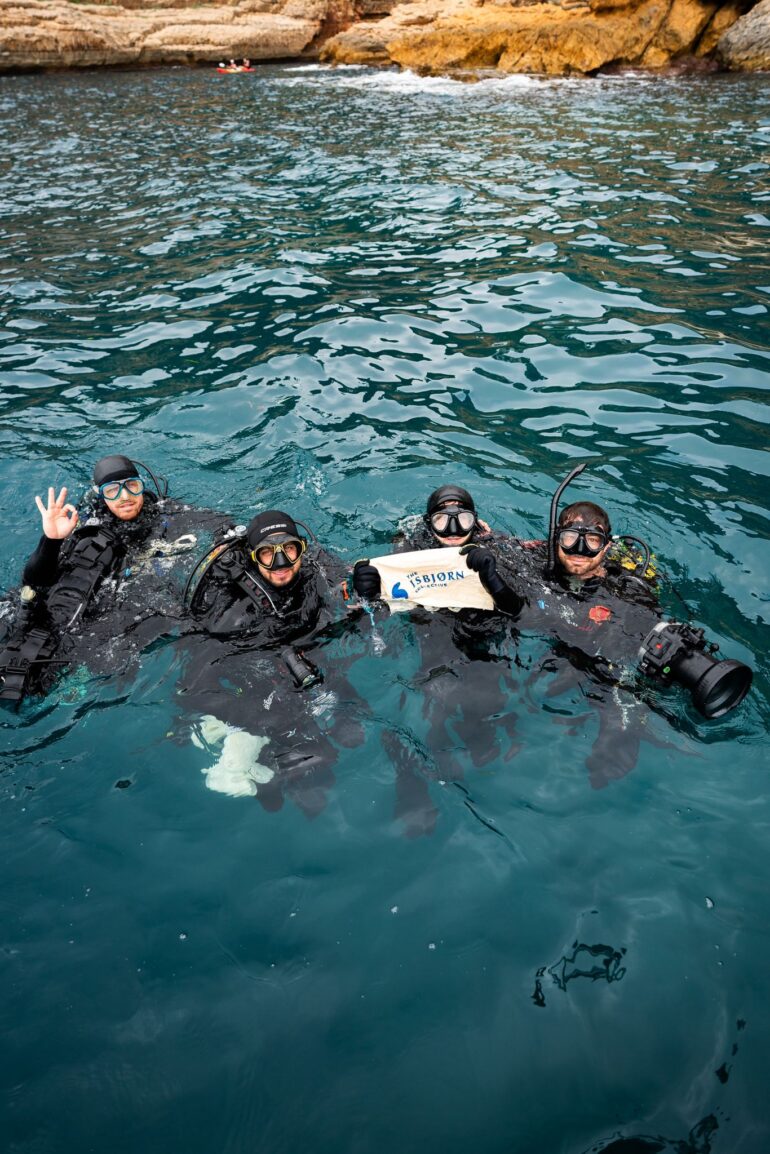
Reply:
x=435, y=578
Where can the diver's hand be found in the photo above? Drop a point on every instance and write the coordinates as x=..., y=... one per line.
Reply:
x=366, y=580
x=59, y=519
x=484, y=562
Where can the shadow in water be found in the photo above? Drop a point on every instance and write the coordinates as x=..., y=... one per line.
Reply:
x=698, y=1141
x=594, y=962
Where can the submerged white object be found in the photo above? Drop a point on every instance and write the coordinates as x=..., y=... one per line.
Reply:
x=435, y=578
x=238, y=771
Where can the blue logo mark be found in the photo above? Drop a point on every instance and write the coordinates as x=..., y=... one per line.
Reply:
x=397, y=591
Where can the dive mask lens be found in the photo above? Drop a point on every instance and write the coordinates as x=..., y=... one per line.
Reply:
x=453, y=522
x=281, y=555
x=579, y=539
x=111, y=490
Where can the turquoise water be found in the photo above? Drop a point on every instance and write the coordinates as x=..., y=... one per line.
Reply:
x=333, y=291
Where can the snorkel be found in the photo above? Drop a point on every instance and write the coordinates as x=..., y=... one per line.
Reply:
x=673, y=652
x=551, y=569
x=640, y=568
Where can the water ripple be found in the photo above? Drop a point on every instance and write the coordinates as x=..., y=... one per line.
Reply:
x=338, y=288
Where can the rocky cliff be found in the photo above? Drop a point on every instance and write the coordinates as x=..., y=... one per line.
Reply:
x=746, y=46
x=560, y=37
x=62, y=34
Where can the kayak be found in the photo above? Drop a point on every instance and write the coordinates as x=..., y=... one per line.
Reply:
x=231, y=70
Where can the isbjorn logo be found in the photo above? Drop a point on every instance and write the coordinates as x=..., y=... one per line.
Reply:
x=419, y=581
x=397, y=591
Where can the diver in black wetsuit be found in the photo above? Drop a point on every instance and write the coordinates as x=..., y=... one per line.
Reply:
x=268, y=584
x=599, y=601
x=264, y=596
x=82, y=559
x=465, y=678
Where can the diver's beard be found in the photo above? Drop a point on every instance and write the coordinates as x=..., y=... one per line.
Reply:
x=281, y=573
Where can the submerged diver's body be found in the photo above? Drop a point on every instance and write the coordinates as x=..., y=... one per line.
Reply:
x=465, y=676
x=597, y=612
x=258, y=599
x=109, y=564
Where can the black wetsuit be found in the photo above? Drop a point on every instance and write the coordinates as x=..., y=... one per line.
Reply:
x=234, y=600
x=605, y=618
x=121, y=577
x=596, y=627
x=466, y=685
x=236, y=669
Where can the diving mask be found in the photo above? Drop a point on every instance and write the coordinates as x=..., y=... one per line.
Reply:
x=111, y=490
x=582, y=540
x=452, y=522
x=279, y=554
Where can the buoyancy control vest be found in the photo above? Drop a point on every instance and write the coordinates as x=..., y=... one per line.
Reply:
x=94, y=556
x=232, y=598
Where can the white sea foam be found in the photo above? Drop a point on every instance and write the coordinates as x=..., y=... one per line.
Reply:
x=406, y=83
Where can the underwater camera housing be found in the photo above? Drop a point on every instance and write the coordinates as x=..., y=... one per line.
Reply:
x=672, y=651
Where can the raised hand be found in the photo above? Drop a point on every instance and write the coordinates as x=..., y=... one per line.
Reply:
x=59, y=519
x=484, y=562
x=481, y=560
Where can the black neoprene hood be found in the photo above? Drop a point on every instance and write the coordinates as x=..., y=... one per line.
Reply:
x=452, y=493
x=114, y=468
x=266, y=524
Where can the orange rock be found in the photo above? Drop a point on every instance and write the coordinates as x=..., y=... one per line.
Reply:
x=572, y=37
x=559, y=38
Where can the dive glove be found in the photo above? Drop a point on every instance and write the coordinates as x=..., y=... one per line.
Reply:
x=484, y=562
x=366, y=580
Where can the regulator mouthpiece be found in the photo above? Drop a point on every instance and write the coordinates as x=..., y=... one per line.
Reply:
x=675, y=652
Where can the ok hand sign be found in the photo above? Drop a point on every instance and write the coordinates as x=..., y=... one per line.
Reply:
x=58, y=519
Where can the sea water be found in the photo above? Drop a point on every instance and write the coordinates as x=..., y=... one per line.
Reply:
x=332, y=291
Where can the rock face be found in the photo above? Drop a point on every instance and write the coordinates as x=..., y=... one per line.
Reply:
x=59, y=34
x=559, y=38
x=556, y=37
x=746, y=46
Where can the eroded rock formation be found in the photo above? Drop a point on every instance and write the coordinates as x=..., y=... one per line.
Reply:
x=746, y=46
x=556, y=37
x=61, y=34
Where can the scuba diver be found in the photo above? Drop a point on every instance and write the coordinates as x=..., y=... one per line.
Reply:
x=263, y=594
x=596, y=595
x=81, y=564
x=465, y=677
x=264, y=581
x=450, y=519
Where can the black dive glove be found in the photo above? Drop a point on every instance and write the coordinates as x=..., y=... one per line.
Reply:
x=366, y=580
x=484, y=562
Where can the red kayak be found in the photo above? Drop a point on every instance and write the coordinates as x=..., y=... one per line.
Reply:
x=230, y=71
